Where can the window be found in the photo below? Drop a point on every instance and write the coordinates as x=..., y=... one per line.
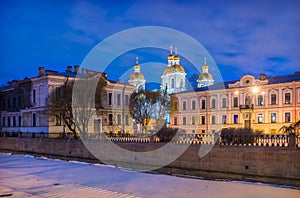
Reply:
x=213, y=103
x=223, y=102
x=287, y=98
x=184, y=120
x=126, y=100
x=260, y=101
x=14, y=121
x=172, y=83
x=119, y=119
x=127, y=119
x=193, y=131
x=119, y=99
x=8, y=121
x=19, y=103
x=8, y=103
x=193, y=105
x=3, y=121
x=213, y=119
x=33, y=96
x=58, y=120
x=235, y=119
x=273, y=117
x=273, y=99
x=14, y=105
x=203, y=104
x=247, y=100
x=202, y=119
x=184, y=105
x=20, y=121
x=109, y=98
x=175, y=120
x=223, y=119
x=193, y=120
x=260, y=118
x=287, y=117
x=235, y=102
x=33, y=119
x=203, y=131
x=110, y=119
x=175, y=105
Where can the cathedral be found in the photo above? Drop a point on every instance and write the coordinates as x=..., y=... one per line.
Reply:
x=173, y=79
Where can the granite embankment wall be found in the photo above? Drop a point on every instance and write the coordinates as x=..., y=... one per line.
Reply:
x=280, y=165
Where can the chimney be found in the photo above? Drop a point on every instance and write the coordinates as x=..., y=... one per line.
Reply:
x=69, y=69
x=76, y=69
x=41, y=71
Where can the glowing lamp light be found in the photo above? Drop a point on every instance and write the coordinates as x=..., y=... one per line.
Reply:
x=255, y=90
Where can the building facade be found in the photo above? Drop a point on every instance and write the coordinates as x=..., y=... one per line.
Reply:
x=263, y=104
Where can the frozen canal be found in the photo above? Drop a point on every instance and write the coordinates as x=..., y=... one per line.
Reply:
x=26, y=176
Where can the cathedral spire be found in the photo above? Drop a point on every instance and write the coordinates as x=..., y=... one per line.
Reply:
x=205, y=60
x=171, y=49
x=136, y=60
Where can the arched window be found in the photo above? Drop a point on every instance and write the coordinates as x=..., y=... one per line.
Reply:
x=181, y=84
x=172, y=83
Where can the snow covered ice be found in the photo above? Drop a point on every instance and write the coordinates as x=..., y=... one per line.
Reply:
x=24, y=176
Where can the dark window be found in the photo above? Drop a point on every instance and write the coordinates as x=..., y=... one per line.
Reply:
x=14, y=121
x=8, y=121
x=203, y=104
x=33, y=119
x=184, y=120
x=58, y=120
x=172, y=83
x=20, y=121
x=175, y=120
x=273, y=117
x=3, y=104
x=193, y=120
x=8, y=103
x=203, y=131
x=193, y=104
x=213, y=103
x=213, y=119
x=127, y=119
x=235, y=102
x=175, y=106
x=3, y=121
x=273, y=99
x=126, y=100
x=202, y=119
x=33, y=95
x=223, y=102
x=223, y=119
x=287, y=98
x=109, y=98
x=19, y=102
x=119, y=119
x=235, y=119
x=110, y=119
x=14, y=104
x=287, y=117
x=118, y=99
x=260, y=118
x=260, y=101
x=184, y=105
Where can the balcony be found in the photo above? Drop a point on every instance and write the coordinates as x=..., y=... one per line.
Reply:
x=246, y=107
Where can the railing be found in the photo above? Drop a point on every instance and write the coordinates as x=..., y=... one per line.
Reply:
x=246, y=107
x=224, y=140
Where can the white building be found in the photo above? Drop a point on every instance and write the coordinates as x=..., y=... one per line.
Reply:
x=137, y=79
x=205, y=79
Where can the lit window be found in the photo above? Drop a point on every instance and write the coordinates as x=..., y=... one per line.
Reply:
x=273, y=117
x=235, y=119
x=287, y=97
x=260, y=100
x=223, y=119
x=287, y=117
x=260, y=118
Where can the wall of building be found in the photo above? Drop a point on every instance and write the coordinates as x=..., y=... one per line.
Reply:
x=262, y=164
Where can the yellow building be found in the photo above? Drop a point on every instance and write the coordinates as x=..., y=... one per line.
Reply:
x=263, y=104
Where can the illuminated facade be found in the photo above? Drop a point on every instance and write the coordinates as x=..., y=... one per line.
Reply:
x=263, y=104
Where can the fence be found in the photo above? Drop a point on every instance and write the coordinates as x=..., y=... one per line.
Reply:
x=226, y=140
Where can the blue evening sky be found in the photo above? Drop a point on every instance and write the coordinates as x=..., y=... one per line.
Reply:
x=243, y=37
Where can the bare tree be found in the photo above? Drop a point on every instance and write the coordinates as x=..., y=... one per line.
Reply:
x=145, y=105
x=60, y=105
x=77, y=101
x=291, y=128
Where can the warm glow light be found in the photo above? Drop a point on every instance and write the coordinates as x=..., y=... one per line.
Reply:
x=263, y=92
x=255, y=90
x=236, y=92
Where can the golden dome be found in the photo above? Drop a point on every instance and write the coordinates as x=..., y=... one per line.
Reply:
x=205, y=76
x=136, y=75
x=176, y=57
x=170, y=57
x=173, y=68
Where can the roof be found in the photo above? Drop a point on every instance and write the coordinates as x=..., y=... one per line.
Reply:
x=173, y=68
